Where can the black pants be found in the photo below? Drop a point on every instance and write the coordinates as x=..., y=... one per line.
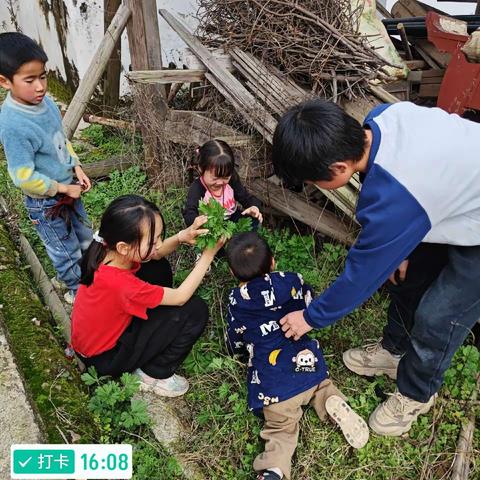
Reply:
x=159, y=344
x=431, y=314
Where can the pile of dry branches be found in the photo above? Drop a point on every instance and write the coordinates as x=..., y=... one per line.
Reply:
x=314, y=41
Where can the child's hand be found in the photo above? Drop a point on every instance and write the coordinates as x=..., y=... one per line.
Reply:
x=213, y=251
x=190, y=234
x=73, y=191
x=254, y=212
x=83, y=180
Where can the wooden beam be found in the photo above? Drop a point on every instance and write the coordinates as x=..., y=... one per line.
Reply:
x=298, y=208
x=95, y=70
x=225, y=82
x=111, y=84
x=109, y=122
x=383, y=11
x=167, y=76
x=184, y=127
x=382, y=94
x=103, y=168
x=145, y=51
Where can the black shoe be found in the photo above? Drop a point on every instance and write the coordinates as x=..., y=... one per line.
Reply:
x=268, y=475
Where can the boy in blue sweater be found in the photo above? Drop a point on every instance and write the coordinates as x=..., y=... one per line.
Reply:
x=283, y=374
x=419, y=208
x=41, y=161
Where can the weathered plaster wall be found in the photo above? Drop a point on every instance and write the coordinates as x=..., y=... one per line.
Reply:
x=70, y=31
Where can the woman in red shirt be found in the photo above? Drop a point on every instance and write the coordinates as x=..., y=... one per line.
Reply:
x=126, y=316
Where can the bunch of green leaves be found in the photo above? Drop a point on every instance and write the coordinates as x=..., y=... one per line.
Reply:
x=113, y=406
x=217, y=226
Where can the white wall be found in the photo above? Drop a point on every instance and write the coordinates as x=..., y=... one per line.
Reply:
x=85, y=30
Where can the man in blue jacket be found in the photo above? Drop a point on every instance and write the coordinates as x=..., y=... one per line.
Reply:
x=419, y=209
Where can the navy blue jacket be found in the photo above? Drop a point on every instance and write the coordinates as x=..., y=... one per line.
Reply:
x=278, y=368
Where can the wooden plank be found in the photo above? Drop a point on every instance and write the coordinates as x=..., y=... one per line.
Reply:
x=145, y=51
x=412, y=8
x=465, y=449
x=429, y=90
x=109, y=122
x=103, y=168
x=298, y=208
x=382, y=94
x=279, y=96
x=184, y=127
x=111, y=83
x=416, y=64
x=383, y=11
x=441, y=58
x=95, y=71
x=232, y=89
x=167, y=76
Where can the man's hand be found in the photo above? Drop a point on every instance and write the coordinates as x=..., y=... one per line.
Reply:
x=402, y=272
x=294, y=325
x=190, y=234
x=254, y=212
x=84, y=181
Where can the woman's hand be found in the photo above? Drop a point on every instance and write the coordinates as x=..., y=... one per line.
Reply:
x=190, y=234
x=254, y=212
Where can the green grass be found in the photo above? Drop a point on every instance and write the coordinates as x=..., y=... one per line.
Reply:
x=52, y=381
x=225, y=436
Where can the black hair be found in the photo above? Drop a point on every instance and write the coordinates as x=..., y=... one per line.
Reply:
x=121, y=222
x=312, y=136
x=17, y=49
x=249, y=256
x=216, y=155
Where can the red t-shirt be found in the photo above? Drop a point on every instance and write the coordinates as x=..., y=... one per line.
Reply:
x=103, y=310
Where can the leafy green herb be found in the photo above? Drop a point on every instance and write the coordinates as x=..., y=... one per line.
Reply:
x=217, y=225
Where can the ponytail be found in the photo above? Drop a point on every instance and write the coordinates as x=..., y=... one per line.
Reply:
x=91, y=260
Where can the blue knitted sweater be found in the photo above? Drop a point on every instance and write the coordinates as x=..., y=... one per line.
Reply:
x=38, y=154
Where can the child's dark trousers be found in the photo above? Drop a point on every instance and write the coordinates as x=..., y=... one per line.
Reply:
x=161, y=343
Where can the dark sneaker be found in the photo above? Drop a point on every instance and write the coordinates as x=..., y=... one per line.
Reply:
x=268, y=475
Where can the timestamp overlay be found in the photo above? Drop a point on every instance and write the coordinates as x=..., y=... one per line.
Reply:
x=71, y=461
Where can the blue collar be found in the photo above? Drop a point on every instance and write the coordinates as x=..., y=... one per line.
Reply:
x=376, y=135
x=29, y=109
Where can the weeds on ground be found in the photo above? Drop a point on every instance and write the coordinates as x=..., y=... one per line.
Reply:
x=113, y=406
x=225, y=436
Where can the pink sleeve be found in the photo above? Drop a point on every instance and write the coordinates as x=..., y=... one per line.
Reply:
x=142, y=295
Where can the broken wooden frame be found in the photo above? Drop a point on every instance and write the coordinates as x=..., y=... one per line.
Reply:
x=140, y=17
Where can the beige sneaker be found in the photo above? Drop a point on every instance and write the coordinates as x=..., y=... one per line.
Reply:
x=395, y=416
x=371, y=360
x=354, y=427
x=69, y=297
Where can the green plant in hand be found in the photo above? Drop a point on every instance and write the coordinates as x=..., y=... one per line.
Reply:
x=217, y=225
x=114, y=407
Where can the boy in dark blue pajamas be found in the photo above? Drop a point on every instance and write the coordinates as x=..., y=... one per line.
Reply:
x=283, y=374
